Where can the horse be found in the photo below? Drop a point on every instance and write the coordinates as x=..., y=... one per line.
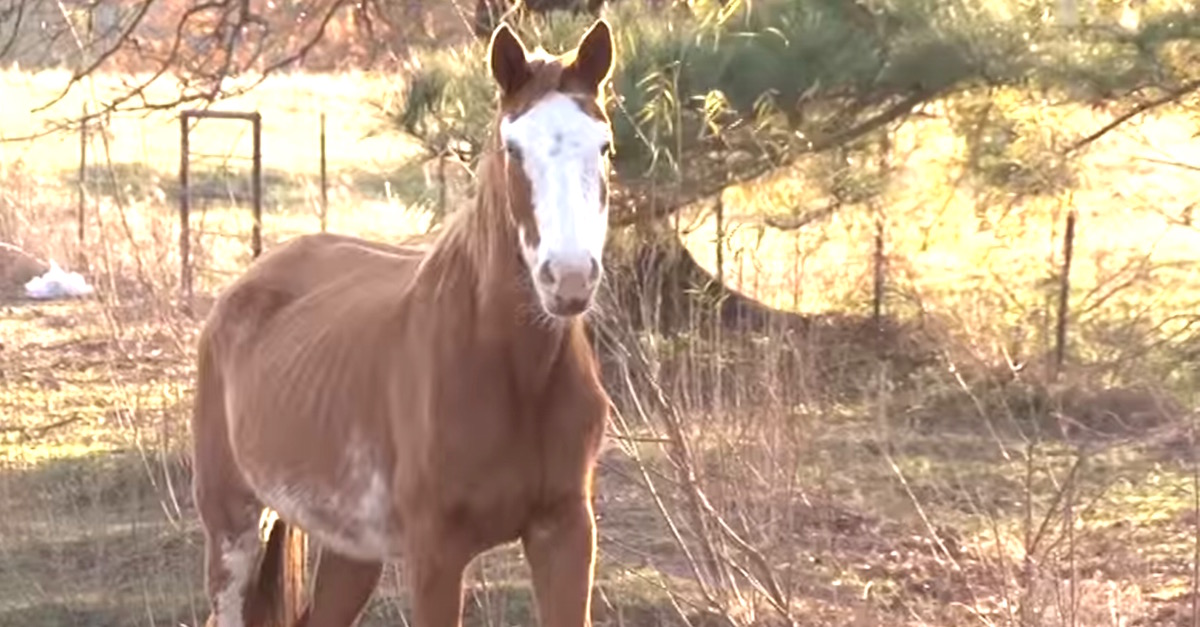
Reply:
x=424, y=404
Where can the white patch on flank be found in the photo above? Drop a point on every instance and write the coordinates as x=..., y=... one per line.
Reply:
x=561, y=153
x=372, y=511
x=351, y=516
x=238, y=557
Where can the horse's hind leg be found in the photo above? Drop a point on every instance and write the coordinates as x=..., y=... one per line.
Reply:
x=232, y=548
x=228, y=508
x=340, y=591
x=229, y=513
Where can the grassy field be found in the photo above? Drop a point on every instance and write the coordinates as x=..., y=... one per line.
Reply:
x=948, y=497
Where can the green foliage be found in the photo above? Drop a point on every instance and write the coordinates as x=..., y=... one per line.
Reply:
x=442, y=105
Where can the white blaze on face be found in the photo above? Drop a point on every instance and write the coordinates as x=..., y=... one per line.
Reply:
x=561, y=151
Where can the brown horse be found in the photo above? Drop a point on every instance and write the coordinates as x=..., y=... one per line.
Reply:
x=394, y=402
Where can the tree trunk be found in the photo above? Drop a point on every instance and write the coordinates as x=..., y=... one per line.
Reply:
x=657, y=284
x=714, y=340
x=658, y=290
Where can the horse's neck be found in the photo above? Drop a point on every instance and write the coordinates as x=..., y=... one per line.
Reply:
x=480, y=256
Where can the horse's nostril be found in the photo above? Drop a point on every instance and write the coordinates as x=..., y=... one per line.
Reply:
x=594, y=273
x=545, y=274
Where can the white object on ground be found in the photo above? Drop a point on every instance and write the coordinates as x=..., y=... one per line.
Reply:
x=57, y=283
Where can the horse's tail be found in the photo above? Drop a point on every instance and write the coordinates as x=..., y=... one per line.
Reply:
x=276, y=594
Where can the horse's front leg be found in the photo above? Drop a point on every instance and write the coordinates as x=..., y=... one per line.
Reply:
x=436, y=583
x=561, y=548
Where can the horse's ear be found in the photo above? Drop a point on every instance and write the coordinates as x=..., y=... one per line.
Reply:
x=594, y=57
x=506, y=55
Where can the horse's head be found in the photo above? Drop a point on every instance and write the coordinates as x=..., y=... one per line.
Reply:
x=556, y=138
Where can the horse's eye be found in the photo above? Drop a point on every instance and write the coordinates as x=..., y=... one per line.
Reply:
x=513, y=151
x=606, y=148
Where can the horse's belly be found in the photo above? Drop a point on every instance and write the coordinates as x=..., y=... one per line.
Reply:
x=330, y=479
x=353, y=521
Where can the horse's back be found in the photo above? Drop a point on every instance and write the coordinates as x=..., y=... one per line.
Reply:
x=303, y=268
x=311, y=262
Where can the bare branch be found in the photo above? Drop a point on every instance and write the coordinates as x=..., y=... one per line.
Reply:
x=1171, y=162
x=103, y=57
x=312, y=42
x=25, y=433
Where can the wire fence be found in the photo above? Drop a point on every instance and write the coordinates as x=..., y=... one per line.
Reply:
x=345, y=178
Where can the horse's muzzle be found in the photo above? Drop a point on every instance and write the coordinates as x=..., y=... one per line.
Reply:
x=566, y=307
x=567, y=285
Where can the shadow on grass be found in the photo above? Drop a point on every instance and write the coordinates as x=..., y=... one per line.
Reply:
x=98, y=540
x=512, y=603
x=100, y=483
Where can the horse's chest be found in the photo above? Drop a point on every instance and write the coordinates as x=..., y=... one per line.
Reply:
x=514, y=452
x=493, y=483
x=497, y=469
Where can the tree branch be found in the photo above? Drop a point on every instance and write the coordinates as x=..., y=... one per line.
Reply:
x=1170, y=97
x=103, y=57
x=629, y=202
x=791, y=223
x=1170, y=162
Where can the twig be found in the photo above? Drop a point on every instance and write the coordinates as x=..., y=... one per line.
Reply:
x=656, y=497
x=635, y=438
x=704, y=512
x=1169, y=162
x=100, y=59
x=1052, y=508
x=912, y=497
x=26, y=432
x=681, y=455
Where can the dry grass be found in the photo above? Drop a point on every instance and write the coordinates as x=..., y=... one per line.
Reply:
x=916, y=500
